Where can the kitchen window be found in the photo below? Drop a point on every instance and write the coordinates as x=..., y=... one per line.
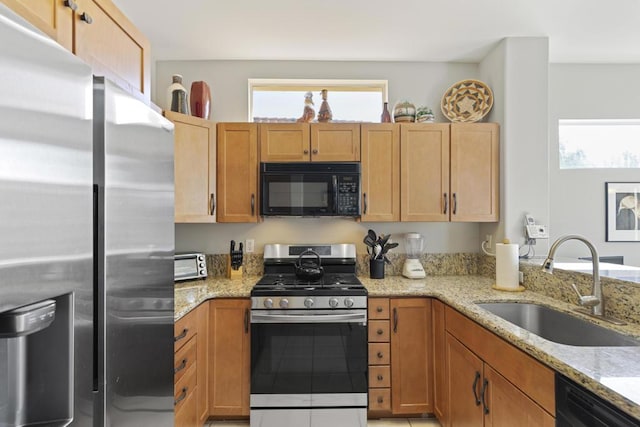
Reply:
x=282, y=100
x=599, y=144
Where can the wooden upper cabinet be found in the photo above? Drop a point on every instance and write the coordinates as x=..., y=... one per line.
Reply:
x=411, y=367
x=52, y=17
x=424, y=166
x=230, y=357
x=335, y=142
x=380, y=163
x=284, y=142
x=113, y=46
x=194, y=168
x=475, y=183
x=237, y=172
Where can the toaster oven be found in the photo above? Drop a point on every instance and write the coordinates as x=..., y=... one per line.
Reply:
x=189, y=266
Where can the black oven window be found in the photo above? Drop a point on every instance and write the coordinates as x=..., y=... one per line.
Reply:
x=298, y=194
x=308, y=358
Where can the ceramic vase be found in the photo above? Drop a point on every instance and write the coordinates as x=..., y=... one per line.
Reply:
x=177, y=99
x=404, y=112
x=386, y=115
x=200, y=98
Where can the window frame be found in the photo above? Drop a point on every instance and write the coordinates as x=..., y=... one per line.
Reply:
x=315, y=85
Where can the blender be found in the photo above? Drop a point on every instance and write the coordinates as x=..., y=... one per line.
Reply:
x=412, y=267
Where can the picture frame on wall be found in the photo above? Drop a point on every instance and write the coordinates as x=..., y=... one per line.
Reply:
x=622, y=211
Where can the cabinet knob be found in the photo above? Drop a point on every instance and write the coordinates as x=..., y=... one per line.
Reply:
x=86, y=18
x=315, y=151
x=379, y=309
x=380, y=377
x=380, y=399
x=380, y=331
x=71, y=5
x=380, y=355
x=305, y=152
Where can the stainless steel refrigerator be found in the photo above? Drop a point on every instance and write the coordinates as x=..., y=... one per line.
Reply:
x=86, y=243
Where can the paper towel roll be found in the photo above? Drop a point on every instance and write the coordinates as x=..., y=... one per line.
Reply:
x=507, y=266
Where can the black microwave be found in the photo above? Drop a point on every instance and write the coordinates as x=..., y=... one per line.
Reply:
x=310, y=189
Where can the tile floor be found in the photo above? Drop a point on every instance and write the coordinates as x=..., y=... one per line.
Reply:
x=389, y=422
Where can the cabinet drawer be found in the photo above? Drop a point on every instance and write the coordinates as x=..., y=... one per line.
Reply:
x=379, y=399
x=379, y=354
x=184, y=388
x=184, y=358
x=378, y=308
x=379, y=376
x=187, y=415
x=378, y=331
x=183, y=330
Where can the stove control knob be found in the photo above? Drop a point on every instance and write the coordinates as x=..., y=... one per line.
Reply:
x=284, y=303
x=333, y=302
x=268, y=303
x=348, y=302
x=308, y=302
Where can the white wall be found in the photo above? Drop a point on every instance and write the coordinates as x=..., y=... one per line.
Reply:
x=419, y=82
x=583, y=91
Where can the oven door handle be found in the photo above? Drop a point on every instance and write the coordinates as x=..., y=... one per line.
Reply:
x=309, y=318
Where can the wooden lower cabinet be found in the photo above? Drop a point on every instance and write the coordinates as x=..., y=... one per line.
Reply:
x=491, y=383
x=229, y=357
x=439, y=362
x=411, y=367
x=202, y=353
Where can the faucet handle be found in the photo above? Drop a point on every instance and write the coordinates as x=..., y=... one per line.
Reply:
x=586, y=300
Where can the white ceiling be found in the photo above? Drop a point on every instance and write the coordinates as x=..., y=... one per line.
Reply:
x=587, y=31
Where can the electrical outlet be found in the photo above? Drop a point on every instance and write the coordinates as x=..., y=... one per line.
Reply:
x=520, y=277
x=489, y=239
x=249, y=245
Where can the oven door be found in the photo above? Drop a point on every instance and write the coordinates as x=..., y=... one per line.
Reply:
x=303, y=358
x=298, y=194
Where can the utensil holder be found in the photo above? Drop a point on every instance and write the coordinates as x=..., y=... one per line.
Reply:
x=231, y=273
x=376, y=268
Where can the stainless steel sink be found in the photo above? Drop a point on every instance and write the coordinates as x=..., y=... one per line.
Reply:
x=556, y=326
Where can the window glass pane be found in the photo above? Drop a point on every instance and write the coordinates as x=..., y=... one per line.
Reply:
x=599, y=144
x=283, y=101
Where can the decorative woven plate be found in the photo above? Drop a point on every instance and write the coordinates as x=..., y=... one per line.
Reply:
x=467, y=101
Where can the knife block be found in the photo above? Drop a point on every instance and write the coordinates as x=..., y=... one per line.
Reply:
x=231, y=273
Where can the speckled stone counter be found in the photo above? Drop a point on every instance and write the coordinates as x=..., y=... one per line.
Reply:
x=611, y=372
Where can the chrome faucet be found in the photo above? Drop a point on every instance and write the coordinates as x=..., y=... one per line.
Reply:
x=595, y=301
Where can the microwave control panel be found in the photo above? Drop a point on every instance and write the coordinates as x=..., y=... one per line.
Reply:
x=348, y=197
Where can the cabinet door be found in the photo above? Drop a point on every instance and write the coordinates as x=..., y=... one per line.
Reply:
x=424, y=166
x=113, y=46
x=439, y=362
x=411, y=367
x=202, y=392
x=194, y=168
x=380, y=162
x=335, y=142
x=49, y=16
x=284, y=142
x=229, y=353
x=506, y=405
x=475, y=156
x=464, y=378
x=237, y=172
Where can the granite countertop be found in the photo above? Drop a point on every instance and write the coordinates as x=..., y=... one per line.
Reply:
x=611, y=372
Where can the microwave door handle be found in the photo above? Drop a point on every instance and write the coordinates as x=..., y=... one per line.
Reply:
x=335, y=194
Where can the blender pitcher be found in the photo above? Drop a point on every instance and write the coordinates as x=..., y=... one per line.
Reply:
x=412, y=266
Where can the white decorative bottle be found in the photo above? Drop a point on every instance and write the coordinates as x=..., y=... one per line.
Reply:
x=177, y=99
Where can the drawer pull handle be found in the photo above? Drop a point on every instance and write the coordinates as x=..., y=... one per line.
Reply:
x=380, y=399
x=483, y=394
x=380, y=355
x=181, y=336
x=379, y=309
x=380, y=377
x=86, y=18
x=180, y=367
x=182, y=396
x=380, y=331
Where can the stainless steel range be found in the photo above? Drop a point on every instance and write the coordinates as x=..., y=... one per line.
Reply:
x=309, y=339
